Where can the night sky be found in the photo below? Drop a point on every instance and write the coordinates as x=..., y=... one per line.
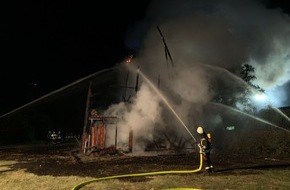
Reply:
x=46, y=45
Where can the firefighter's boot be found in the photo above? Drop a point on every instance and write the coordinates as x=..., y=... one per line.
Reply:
x=211, y=168
x=208, y=169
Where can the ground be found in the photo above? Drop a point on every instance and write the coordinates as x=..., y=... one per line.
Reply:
x=67, y=160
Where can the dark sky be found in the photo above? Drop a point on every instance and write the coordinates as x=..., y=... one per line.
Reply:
x=46, y=45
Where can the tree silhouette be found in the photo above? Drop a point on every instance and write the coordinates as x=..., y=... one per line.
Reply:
x=248, y=75
x=240, y=96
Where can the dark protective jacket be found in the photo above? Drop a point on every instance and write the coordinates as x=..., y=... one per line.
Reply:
x=205, y=143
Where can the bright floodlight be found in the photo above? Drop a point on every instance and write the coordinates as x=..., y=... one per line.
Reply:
x=260, y=97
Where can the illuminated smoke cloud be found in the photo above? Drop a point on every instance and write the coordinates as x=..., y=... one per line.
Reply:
x=222, y=33
x=140, y=116
x=207, y=40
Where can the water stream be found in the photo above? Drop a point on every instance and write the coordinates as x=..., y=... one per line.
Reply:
x=240, y=80
x=165, y=101
x=251, y=116
x=280, y=112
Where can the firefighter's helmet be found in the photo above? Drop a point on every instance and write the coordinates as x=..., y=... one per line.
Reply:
x=199, y=130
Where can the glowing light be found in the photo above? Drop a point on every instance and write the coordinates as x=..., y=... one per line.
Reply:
x=260, y=97
x=129, y=59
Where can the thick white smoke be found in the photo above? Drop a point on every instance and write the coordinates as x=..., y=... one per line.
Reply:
x=141, y=115
x=208, y=41
x=222, y=33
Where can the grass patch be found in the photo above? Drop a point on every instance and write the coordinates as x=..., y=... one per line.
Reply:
x=238, y=179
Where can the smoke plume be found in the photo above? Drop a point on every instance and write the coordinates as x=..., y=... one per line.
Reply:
x=209, y=41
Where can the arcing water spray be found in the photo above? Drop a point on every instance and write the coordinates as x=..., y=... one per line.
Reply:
x=165, y=101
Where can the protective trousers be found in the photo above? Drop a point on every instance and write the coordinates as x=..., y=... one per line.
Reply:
x=209, y=166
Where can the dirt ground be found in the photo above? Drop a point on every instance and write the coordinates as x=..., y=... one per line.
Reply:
x=67, y=160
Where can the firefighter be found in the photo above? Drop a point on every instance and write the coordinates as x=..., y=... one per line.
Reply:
x=53, y=137
x=205, y=148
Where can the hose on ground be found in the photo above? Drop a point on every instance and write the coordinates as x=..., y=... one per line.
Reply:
x=77, y=187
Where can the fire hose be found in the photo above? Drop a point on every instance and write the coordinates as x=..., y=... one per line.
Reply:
x=77, y=187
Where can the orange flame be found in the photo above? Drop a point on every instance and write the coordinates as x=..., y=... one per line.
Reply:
x=129, y=59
